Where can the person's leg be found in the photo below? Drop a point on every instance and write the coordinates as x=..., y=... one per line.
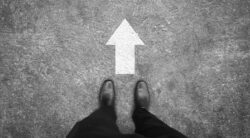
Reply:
x=102, y=122
x=149, y=125
x=146, y=123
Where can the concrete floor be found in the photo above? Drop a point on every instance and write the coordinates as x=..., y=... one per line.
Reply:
x=196, y=59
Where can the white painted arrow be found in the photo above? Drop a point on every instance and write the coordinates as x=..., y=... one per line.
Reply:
x=125, y=39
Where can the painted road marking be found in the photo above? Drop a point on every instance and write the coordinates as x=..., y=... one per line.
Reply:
x=125, y=39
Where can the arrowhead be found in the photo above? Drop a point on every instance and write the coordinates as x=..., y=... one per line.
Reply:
x=125, y=34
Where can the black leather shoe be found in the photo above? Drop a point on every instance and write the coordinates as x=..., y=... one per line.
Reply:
x=107, y=93
x=141, y=95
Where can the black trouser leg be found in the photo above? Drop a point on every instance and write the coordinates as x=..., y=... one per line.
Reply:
x=150, y=126
x=101, y=123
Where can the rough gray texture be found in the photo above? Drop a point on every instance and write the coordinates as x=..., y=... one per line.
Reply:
x=53, y=59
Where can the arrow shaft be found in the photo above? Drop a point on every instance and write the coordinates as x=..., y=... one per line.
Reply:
x=124, y=59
